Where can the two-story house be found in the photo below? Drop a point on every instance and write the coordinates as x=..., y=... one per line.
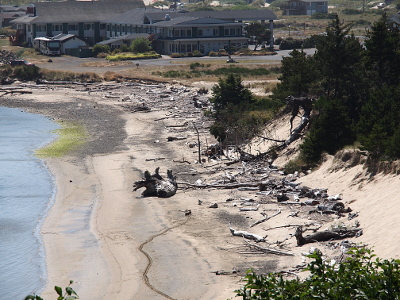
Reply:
x=305, y=7
x=182, y=31
x=80, y=18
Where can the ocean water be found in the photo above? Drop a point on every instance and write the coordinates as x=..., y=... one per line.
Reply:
x=26, y=193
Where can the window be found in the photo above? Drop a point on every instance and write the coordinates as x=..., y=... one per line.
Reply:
x=232, y=31
x=87, y=26
x=41, y=28
x=226, y=31
x=215, y=32
x=177, y=33
x=73, y=27
x=57, y=27
x=200, y=32
x=188, y=32
x=102, y=26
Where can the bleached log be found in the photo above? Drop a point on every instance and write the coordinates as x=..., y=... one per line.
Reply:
x=246, y=235
x=249, y=208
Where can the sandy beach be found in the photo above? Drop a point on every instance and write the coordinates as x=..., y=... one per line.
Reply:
x=116, y=244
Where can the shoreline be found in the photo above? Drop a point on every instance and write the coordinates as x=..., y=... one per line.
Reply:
x=96, y=225
x=116, y=244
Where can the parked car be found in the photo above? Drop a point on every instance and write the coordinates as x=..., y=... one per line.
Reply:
x=21, y=62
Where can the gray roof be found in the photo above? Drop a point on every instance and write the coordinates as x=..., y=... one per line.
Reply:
x=231, y=15
x=128, y=37
x=78, y=11
x=134, y=16
x=185, y=20
x=64, y=37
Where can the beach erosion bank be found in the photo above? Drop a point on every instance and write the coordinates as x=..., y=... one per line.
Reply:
x=96, y=226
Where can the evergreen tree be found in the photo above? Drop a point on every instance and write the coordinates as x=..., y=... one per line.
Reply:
x=230, y=91
x=383, y=53
x=298, y=76
x=339, y=58
x=379, y=125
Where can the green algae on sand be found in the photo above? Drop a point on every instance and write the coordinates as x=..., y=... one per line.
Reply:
x=70, y=136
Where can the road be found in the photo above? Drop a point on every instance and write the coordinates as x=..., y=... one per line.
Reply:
x=74, y=64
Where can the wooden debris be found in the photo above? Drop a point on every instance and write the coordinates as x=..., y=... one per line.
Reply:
x=268, y=250
x=325, y=235
x=157, y=186
x=265, y=218
x=246, y=235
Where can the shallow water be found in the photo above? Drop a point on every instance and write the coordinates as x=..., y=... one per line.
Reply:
x=26, y=193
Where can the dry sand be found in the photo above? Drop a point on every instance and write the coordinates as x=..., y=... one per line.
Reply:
x=116, y=244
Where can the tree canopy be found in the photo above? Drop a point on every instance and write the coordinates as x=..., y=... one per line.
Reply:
x=357, y=89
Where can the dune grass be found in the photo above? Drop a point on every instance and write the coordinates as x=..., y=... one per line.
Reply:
x=70, y=136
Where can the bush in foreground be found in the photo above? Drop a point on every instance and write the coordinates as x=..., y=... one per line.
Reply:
x=358, y=277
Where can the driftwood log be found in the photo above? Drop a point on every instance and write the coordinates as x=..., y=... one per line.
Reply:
x=156, y=185
x=246, y=235
x=325, y=235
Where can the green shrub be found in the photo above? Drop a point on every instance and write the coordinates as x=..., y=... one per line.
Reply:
x=357, y=277
x=26, y=73
x=124, y=48
x=100, y=49
x=197, y=53
x=196, y=65
x=323, y=16
x=351, y=11
x=133, y=56
x=177, y=55
x=291, y=43
x=140, y=45
x=212, y=53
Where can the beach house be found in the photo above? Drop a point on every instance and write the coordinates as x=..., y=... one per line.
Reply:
x=80, y=18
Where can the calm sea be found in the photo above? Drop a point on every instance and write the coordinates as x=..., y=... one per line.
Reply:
x=26, y=193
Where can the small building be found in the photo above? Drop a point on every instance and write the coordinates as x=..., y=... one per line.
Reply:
x=69, y=41
x=305, y=7
x=59, y=44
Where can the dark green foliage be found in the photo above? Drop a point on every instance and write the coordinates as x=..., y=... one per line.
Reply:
x=331, y=130
x=69, y=294
x=338, y=59
x=383, y=52
x=321, y=16
x=26, y=73
x=379, y=125
x=358, y=85
x=230, y=91
x=298, y=75
x=100, y=49
x=259, y=31
x=358, y=277
x=351, y=11
x=140, y=45
x=233, y=121
x=291, y=43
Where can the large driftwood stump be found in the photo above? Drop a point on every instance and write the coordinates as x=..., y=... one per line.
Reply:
x=325, y=235
x=156, y=185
